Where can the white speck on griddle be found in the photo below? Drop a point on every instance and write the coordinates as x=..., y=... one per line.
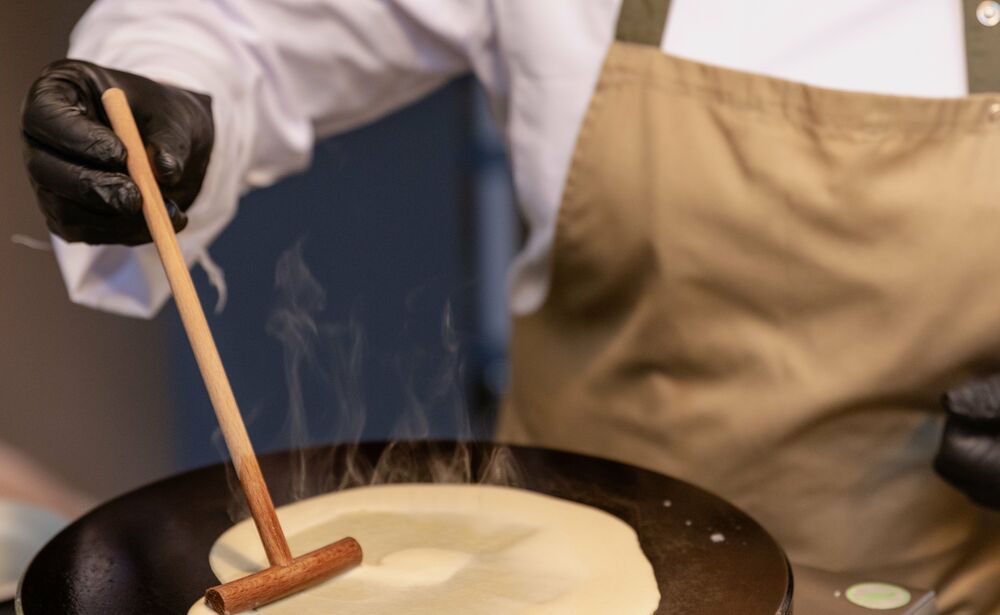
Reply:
x=836, y=594
x=688, y=523
x=667, y=503
x=717, y=537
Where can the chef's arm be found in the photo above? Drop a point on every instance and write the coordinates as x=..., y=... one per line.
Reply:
x=279, y=73
x=969, y=457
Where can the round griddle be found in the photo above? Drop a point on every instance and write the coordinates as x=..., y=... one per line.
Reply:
x=146, y=552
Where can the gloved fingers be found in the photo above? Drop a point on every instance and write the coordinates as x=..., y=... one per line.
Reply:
x=977, y=400
x=969, y=459
x=168, y=148
x=58, y=113
x=68, y=219
x=177, y=216
x=138, y=234
x=127, y=234
x=101, y=192
x=77, y=164
x=75, y=224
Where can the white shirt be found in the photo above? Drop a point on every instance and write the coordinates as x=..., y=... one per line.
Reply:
x=283, y=73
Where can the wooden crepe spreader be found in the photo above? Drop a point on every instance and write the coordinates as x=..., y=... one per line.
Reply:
x=286, y=575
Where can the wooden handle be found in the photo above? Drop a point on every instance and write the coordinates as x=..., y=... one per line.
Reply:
x=200, y=336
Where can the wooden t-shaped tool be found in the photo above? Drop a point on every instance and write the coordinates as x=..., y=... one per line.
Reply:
x=286, y=575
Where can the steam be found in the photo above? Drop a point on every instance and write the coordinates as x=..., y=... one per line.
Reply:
x=333, y=354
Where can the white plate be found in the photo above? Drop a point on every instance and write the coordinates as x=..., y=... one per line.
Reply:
x=24, y=530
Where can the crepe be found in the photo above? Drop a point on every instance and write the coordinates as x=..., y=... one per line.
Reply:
x=455, y=549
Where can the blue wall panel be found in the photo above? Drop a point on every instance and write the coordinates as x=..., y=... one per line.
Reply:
x=380, y=221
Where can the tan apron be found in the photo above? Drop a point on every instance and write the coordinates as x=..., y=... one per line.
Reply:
x=762, y=287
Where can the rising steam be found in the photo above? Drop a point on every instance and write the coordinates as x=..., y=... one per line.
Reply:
x=332, y=354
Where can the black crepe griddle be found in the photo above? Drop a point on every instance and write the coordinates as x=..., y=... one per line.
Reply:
x=146, y=552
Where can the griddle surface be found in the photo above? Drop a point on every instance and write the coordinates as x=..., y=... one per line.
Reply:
x=146, y=552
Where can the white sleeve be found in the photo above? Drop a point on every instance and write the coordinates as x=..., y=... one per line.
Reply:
x=280, y=72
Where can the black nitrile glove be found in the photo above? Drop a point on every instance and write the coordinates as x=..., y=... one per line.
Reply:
x=77, y=164
x=969, y=457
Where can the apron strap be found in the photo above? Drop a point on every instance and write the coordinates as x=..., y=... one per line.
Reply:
x=982, y=44
x=642, y=21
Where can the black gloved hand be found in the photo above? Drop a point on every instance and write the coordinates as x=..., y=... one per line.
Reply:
x=77, y=164
x=969, y=457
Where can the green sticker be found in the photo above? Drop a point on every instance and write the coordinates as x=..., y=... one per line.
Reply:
x=878, y=596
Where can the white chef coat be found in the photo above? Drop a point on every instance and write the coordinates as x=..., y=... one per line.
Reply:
x=283, y=73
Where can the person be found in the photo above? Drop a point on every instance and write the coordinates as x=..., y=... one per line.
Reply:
x=762, y=235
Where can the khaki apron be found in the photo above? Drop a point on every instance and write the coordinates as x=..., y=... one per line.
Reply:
x=762, y=287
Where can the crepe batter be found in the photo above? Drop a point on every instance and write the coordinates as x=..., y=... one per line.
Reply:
x=442, y=549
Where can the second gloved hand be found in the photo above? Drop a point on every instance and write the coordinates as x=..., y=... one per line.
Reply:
x=77, y=164
x=969, y=457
